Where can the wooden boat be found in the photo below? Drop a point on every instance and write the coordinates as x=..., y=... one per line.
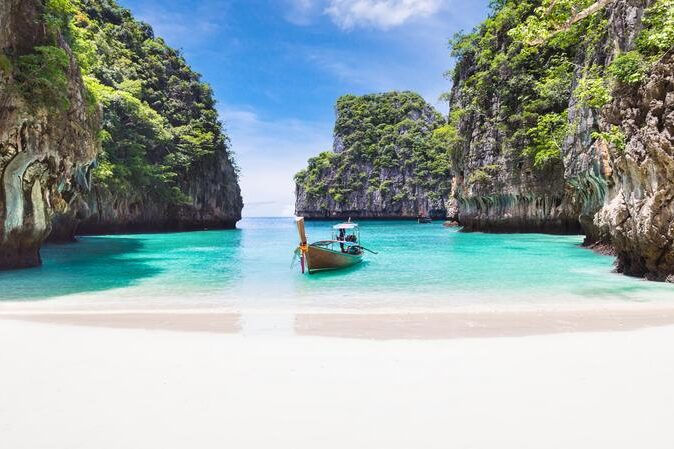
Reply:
x=342, y=251
x=424, y=220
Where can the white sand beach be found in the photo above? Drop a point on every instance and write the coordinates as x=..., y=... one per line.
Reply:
x=67, y=386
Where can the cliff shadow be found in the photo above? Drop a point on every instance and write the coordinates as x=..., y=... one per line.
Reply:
x=92, y=264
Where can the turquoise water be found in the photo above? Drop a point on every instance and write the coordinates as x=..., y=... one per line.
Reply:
x=426, y=266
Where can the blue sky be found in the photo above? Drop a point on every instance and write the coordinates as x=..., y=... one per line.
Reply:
x=277, y=68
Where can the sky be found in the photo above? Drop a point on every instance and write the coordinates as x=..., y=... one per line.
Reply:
x=278, y=66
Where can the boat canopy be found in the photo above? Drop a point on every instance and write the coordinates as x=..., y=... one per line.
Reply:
x=345, y=226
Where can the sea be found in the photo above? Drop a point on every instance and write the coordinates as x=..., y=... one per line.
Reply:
x=417, y=267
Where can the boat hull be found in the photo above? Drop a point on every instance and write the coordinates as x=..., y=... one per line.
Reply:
x=321, y=259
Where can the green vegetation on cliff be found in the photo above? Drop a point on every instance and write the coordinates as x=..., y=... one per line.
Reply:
x=526, y=54
x=657, y=37
x=522, y=55
x=41, y=73
x=159, y=118
x=41, y=77
x=529, y=80
x=375, y=136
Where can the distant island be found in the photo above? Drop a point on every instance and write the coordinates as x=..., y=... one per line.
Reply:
x=390, y=160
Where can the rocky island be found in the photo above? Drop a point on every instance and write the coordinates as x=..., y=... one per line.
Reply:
x=389, y=160
x=103, y=128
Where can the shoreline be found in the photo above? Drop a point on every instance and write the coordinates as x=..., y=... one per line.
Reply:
x=440, y=324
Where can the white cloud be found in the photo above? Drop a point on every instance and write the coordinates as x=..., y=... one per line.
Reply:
x=383, y=14
x=269, y=153
x=348, y=14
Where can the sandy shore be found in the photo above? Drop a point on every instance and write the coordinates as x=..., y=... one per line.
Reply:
x=475, y=323
x=73, y=387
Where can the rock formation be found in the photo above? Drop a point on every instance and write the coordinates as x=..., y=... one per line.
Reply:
x=526, y=160
x=214, y=203
x=74, y=75
x=612, y=177
x=165, y=163
x=639, y=211
x=47, y=132
x=387, y=162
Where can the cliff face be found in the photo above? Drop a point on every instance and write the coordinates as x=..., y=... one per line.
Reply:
x=388, y=161
x=596, y=151
x=165, y=162
x=639, y=211
x=47, y=130
x=214, y=203
x=498, y=188
x=527, y=159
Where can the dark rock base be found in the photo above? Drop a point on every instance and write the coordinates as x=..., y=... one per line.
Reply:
x=605, y=249
x=14, y=257
x=86, y=228
x=517, y=226
x=633, y=265
x=63, y=230
x=339, y=216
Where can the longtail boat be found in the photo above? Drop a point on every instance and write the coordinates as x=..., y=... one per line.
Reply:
x=424, y=219
x=342, y=251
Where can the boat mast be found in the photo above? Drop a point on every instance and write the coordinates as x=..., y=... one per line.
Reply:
x=301, y=231
x=303, y=248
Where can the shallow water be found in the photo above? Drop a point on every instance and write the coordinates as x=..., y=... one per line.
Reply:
x=418, y=266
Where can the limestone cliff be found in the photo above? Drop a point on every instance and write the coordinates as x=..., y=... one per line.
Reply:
x=388, y=161
x=526, y=159
x=639, y=211
x=214, y=203
x=47, y=130
x=165, y=163
x=578, y=134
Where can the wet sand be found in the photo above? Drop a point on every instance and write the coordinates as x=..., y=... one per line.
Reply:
x=184, y=321
x=374, y=325
x=478, y=324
